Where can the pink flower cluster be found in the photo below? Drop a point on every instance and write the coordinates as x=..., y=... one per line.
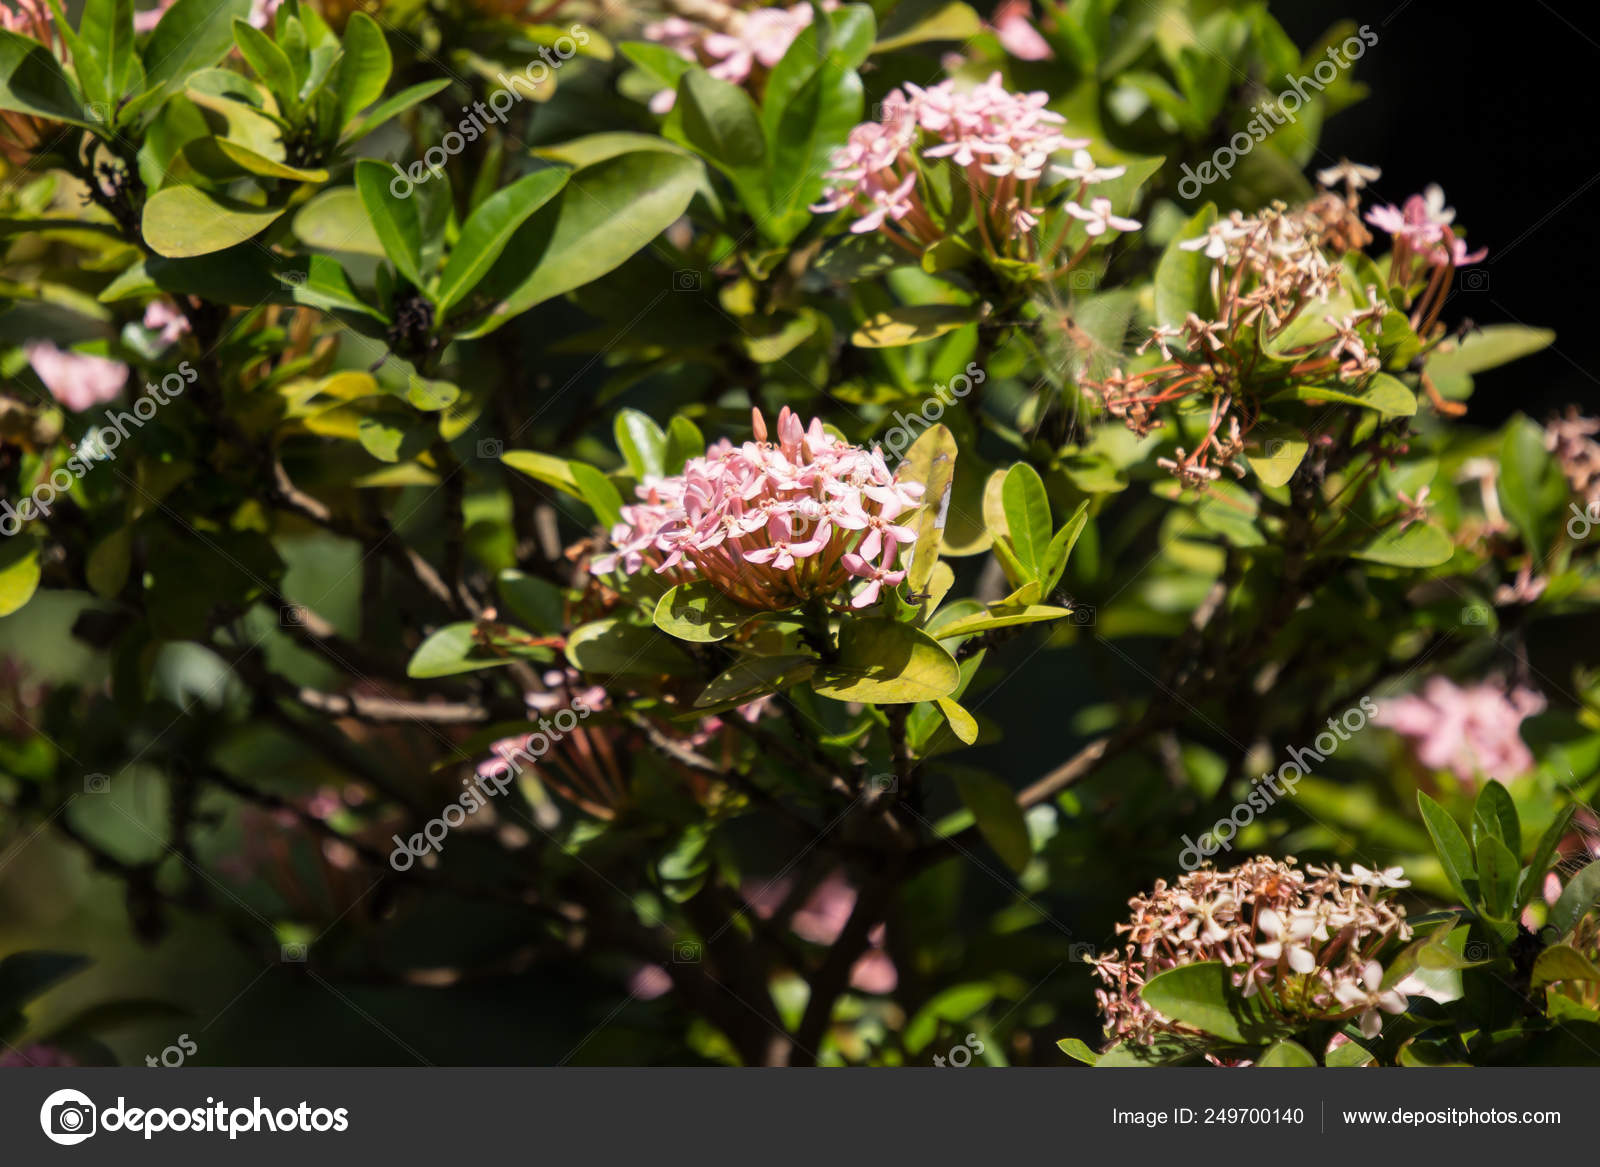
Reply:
x=1421, y=229
x=772, y=524
x=78, y=381
x=1471, y=732
x=1002, y=142
x=755, y=39
x=821, y=919
x=1306, y=940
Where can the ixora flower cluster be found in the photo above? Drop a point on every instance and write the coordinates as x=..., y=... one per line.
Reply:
x=772, y=524
x=1473, y=732
x=1275, y=279
x=746, y=43
x=1304, y=940
x=1003, y=144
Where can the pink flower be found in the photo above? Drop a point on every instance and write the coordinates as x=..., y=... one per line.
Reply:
x=1471, y=732
x=77, y=380
x=1013, y=27
x=771, y=524
x=164, y=318
x=147, y=20
x=36, y=1055
x=758, y=38
x=821, y=920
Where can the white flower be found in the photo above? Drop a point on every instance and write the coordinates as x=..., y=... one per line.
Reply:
x=1353, y=996
x=1389, y=876
x=1084, y=170
x=1354, y=175
x=1285, y=938
x=1216, y=239
x=1099, y=217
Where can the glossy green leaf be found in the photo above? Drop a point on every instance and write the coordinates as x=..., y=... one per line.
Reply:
x=1494, y=813
x=951, y=22
x=546, y=468
x=31, y=81
x=617, y=648
x=1577, y=898
x=1028, y=520
x=1543, y=853
x=270, y=63
x=1562, y=962
x=882, y=662
x=453, y=649
x=1283, y=448
x=1488, y=347
x=931, y=460
x=1286, y=1054
x=19, y=571
x=1202, y=995
x=335, y=220
x=489, y=228
x=394, y=219
x=1183, y=277
x=181, y=222
x=1455, y=855
x=755, y=676
x=365, y=68
x=192, y=35
x=1419, y=545
x=912, y=324
x=642, y=444
x=605, y=214
x=254, y=163
x=996, y=616
x=394, y=106
x=698, y=612
x=1497, y=876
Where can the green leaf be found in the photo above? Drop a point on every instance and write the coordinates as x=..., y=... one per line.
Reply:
x=882, y=662
x=324, y=285
x=247, y=159
x=642, y=444
x=1078, y=1051
x=1455, y=855
x=105, y=35
x=952, y=22
x=336, y=220
x=1419, y=545
x=999, y=818
x=604, y=215
x=684, y=441
x=1388, y=395
x=270, y=63
x=546, y=468
x=599, y=492
x=393, y=433
x=1202, y=995
x=698, y=612
x=394, y=107
x=912, y=324
x=1060, y=549
x=19, y=571
x=192, y=35
x=454, y=649
x=109, y=562
x=1028, y=520
x=1350, y=1054
x=32, y=82
x=365, y=67
x=536, y=603
x=1283, y=448
x=931, y=460
x=394, y=219
x=664, y=66
x=1286, y=1054
x=181, y=222
x=1581, y=893
x=755, y=676
x=1532, y=489
x=962, y=723
x=1495, y=814
x=1183, y=278
x=1490, y=346
x=1497, y=876
x=719, y=120
x=1562, y=962
x=1533, y=875
x=997, y=616
x=618, y=648
x=489, y=228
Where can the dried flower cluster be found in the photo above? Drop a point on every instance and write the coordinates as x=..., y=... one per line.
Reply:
x=1306, y=941
x=1276, y=279
x=1004, y=146
x=745, y=47
x=1572, y=440
x=1473, y=732
x=772, y=524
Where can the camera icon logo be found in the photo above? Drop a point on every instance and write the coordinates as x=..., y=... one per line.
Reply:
x=68, y=1117
x=1083, y=615
x=1476, y=280
x=96, y=783
x=1081, y=280
x=1080, y=951
x=686, y=952
x=1475, y=614
x=685, y=281
x=1276, y=448
x=881, y=784
x=490, y=449
x=293, y=953
x=291, y=616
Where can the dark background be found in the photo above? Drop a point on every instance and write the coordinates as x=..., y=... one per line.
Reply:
x=1498, y=105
